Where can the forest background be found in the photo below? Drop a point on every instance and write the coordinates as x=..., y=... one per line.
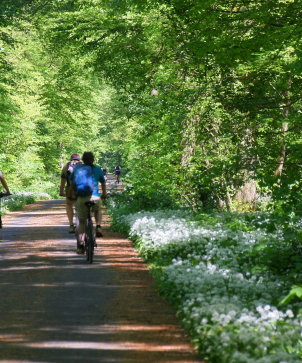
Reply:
x=195, y=99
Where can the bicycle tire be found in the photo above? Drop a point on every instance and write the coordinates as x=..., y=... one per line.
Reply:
x=90, y=252
x=90, y=242
x=76, y=232
x=86, y=248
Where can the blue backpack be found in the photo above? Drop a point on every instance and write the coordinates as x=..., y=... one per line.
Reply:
x=83, y=181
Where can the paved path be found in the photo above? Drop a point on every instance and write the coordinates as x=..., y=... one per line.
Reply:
x=57, y=308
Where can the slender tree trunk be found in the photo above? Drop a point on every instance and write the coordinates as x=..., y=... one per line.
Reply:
x=189, y=142
x=281, y=159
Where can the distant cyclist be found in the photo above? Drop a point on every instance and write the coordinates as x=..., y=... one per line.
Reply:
x=4, y=184
x=67, y=191
x=85, y=181
x=118, y=170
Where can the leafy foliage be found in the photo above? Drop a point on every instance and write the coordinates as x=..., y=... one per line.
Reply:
x=205, y=95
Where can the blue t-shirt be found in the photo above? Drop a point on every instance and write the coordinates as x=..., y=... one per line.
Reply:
x=97, y=177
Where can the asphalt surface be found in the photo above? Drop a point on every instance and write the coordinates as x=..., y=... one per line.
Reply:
x=55, y=307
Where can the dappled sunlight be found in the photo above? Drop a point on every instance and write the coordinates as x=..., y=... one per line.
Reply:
x=66, y=309
x=127, y=345
x=116, y=337
x=40, y=213
x=7, y=243
x=29, y=225
x=36, y=214
x=77, y=284
x=111, y=339
x=110, y=329
x=12, y=338
x=22, y=268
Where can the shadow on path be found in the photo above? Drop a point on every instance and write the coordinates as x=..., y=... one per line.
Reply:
x=57, y=308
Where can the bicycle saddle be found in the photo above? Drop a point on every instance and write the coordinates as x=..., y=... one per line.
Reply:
x=90, y=204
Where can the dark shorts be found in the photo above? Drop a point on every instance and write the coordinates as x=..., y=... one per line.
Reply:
x=82, y=208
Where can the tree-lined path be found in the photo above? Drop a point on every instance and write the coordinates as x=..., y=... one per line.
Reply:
x=57, y=308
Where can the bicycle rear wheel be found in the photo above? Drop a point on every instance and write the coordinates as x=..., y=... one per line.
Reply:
x=89, y=242
x=76, y=232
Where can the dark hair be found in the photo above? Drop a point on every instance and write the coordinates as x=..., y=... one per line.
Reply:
x=88, y=158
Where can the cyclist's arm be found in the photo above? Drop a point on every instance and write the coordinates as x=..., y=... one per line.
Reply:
x=63, y=182
x=104, y=191
x=103, y=186
x=4, y=184
x=62, y=187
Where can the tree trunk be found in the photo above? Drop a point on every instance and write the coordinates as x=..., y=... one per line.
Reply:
x=281, y=159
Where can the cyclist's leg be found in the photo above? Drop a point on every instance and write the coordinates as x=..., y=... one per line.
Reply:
x=97, y=209
x=70, y=213
x=77, y=223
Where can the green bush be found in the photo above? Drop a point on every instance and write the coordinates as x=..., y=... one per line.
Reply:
x=18, y=200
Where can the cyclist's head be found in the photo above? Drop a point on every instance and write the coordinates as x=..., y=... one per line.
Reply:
x=75, y=157
x=88, y=158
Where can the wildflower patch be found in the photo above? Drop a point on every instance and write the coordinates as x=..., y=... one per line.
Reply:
x=220, y=273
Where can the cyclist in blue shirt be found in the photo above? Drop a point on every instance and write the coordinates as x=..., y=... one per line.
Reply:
x=85, y=180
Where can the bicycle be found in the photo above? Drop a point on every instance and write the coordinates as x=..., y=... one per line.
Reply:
x=89, y=233
x=1, y=196
x=89, y=238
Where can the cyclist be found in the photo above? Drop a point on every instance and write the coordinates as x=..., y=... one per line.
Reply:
x=118, y=173
x=66, y=190
x=4, y=184
x=85, y=182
